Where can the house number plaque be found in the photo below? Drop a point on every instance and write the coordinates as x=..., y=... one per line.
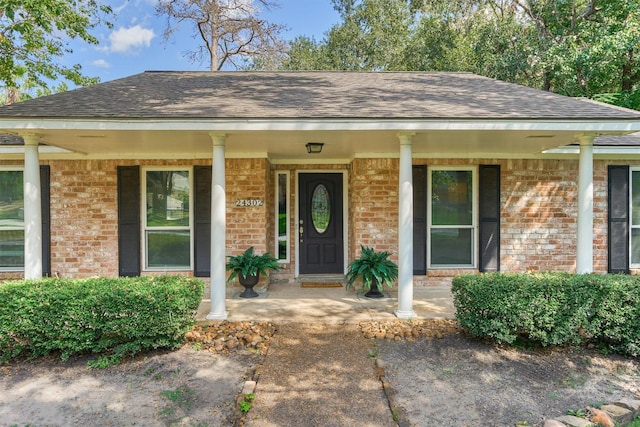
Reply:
x=249, y=202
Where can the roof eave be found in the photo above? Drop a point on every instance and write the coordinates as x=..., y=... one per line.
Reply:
x=596, y=126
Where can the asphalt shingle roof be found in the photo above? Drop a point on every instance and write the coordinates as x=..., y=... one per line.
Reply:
x=316, y=95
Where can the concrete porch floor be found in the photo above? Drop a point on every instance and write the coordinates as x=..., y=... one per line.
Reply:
x=289, y=302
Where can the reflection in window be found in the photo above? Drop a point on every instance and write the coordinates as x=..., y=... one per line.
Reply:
x=282, y=216
x=451, y=214
x=167, y=198
x=11, y=220
x=320, y=209
x=168, y=249
x=168, y=220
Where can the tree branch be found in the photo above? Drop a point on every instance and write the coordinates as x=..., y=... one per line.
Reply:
x=228, y=28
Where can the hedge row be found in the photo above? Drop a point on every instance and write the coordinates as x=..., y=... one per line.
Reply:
x=552, y=308
x=119, y=316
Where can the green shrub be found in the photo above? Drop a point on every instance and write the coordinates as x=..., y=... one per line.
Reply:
x=120, y=316
x=552, y=308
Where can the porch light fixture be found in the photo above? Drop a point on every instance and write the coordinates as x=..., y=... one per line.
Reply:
x=314, y=147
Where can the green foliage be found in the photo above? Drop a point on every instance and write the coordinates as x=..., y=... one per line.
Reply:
x=112, y=316
x=580, y=413
x=372, y=265
x=373, y=353
x=250, y=264
x=247, y=402
x=104, y=362
x=182, y=396
x=626, y=99
x=634, y=423
x=372, y=36
x=552, y=308
x=572, y=47
x=34, y=37
x=306, y=54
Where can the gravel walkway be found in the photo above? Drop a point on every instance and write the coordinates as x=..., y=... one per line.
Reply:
x=319, y=375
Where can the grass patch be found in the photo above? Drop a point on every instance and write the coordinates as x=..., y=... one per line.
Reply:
x=181, y=396
x=247, y=402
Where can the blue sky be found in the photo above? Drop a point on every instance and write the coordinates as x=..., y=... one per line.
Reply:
x=136, y=43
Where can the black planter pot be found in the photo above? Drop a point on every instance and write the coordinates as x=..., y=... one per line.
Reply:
x=374, y=291
x=248, y=282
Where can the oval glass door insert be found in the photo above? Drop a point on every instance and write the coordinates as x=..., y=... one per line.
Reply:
x=320, y=209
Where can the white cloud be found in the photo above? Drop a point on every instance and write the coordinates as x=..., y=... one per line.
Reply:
x=118, y=9
x=125, y=40
x=101, y=63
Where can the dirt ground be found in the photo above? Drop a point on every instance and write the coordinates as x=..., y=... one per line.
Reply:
x=452, y=381
x=459, y=381
x=180, y=388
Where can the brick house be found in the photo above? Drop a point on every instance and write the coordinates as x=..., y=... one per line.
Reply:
x=169, y=172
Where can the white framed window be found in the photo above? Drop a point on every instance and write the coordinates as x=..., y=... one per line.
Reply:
x=282, y=220
x=452, y=231
x=634, y=215
x=167, y=218
x=11, y=219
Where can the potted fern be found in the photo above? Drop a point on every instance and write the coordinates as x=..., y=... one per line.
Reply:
x=375, y=268
x=247, y=268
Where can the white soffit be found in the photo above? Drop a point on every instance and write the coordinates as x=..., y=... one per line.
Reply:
x=407, y=125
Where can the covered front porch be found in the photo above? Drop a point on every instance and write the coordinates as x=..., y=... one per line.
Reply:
x=408, y=147
x=245, y=127
x=281, y=302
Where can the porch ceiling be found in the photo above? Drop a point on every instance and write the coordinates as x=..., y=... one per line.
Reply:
x=282, y=145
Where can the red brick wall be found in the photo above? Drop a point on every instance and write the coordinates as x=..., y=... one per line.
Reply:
x=84, y=218
x=247, y=225
x=538, y=216
x=373, y=205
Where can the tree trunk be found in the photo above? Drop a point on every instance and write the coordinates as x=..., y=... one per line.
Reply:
x=546, y=82
x=13, y=95
x=628, y=79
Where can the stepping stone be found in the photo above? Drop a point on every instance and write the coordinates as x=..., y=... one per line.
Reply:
x=572, y=421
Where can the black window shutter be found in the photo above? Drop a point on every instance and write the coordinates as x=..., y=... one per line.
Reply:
x=489, y=244
x=202, y=238
x=419, y=219
x=45, y=196
x=618, y=210
x=129, y=220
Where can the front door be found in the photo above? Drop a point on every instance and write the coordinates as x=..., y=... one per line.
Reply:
x=320, y=228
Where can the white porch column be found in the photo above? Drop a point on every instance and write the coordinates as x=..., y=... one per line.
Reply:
x=218, y=231
x=32, y=209
x=405, y=230
x=584, y=241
